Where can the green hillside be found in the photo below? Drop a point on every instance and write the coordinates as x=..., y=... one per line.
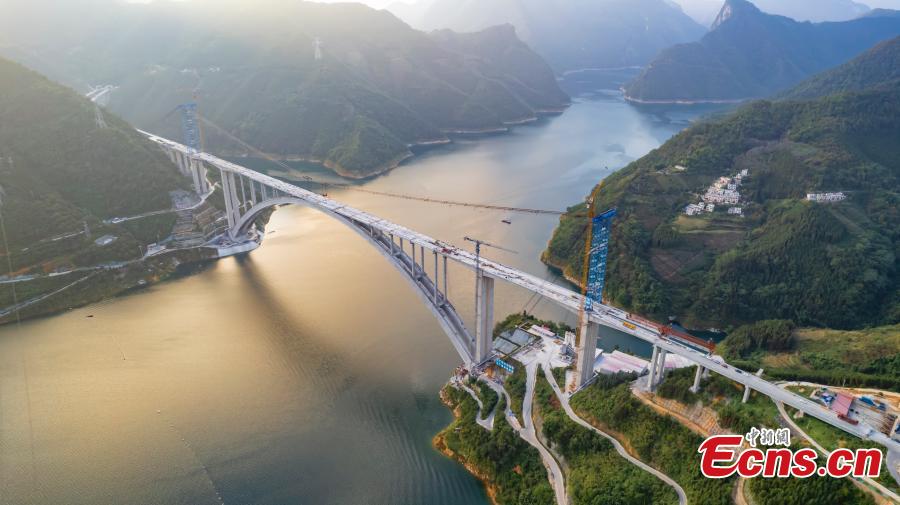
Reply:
x=878, y=65
x=750, y=54
x=818, y=264
x=60, y=169
x=377, y=87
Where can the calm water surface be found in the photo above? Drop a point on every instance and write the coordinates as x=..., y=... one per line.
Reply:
x=307, y=372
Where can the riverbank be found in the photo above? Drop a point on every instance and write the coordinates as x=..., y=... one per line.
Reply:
x=682, y=101
x=404, y=157
x=510, y=469
x=104, y=283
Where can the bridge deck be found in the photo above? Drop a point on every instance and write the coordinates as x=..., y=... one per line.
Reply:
x=602, y=314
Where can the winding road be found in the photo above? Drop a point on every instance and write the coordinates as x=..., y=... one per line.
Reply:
x=557, y=478
x=485, y=422
x=564, y=401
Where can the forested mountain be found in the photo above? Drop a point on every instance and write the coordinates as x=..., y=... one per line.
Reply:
x=64, y=163
x=569, y=34
x=704, y=11
x=814, y=10
x=879, y=65
x=375, y=87
x=819, y=264
x=750, y=54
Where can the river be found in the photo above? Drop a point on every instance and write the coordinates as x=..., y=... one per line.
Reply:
x=308, y=371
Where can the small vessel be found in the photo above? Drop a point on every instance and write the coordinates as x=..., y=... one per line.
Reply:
x=506, y=221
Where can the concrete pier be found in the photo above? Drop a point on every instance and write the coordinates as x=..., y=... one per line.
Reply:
x=484, y=317
x=587, y=350
x=651, y=376
x=699, y=375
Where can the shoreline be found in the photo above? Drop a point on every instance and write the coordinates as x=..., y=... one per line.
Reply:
x=599, y=69
x=125, y=280
x=682, y=101
x=440, y=446
x=507, y=127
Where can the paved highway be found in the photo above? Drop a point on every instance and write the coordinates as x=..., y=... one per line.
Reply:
x=557, y=479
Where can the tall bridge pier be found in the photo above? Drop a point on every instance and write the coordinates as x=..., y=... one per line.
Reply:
x=587, y=352
x=657, y=368
x=697, y=376
x=191, y=167
x=484, y=316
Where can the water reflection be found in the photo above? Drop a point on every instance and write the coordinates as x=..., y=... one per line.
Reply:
x=307, y=372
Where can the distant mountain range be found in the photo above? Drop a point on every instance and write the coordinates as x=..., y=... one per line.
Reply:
x=705, y=11
x=64, y=165
x=750, y=54
x=357, y=103
x=818, y=264
x=569, y=34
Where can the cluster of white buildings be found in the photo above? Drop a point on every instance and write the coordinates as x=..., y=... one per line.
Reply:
x=826, y=197
x=725, y=191
x=696, y=209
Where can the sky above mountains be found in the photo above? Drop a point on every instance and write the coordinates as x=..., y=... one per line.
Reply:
x=704, y=11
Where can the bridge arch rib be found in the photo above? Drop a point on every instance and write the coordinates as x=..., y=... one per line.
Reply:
x=423, y=285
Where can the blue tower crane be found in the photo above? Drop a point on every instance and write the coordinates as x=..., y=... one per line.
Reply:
x=190, y=127
x=599, y=250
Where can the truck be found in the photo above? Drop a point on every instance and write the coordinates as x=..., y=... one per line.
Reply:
x=842, y=417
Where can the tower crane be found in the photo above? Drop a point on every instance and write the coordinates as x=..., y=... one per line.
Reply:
x=593, y=272
x=478, y=243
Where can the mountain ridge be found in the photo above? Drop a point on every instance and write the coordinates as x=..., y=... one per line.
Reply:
x=580, y=34
x=876, y=67
x=68, y=165
x=376, y=87
x=723, y=270
x=749, y=54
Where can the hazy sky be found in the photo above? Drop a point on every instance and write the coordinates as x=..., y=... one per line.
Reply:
x=692, y=6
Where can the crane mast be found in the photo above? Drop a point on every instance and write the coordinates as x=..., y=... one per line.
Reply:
x=593, y=275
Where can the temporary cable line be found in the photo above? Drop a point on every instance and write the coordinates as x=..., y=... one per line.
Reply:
x=9, y=264
x=536, y=298
x=352, y=187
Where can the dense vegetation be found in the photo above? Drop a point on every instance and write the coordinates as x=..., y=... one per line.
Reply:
x=815, y=489
x=770, y=335
x=596, y=474
x=511, y=468
x=378, y=87
x=732, y=62
x=486, y=394
x=869, y=358
x=658, y=440
x=60, y=170
x=832, y=265
x=881, y=64
x=515, y=386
